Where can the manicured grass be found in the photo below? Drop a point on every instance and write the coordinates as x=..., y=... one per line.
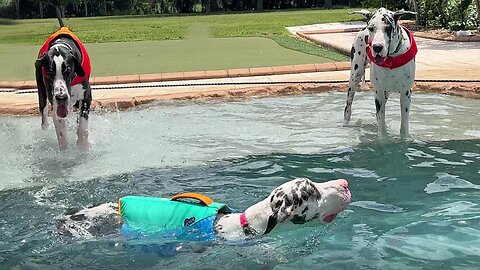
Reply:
x=124, y=58
x=136, y=28
x=173, y=43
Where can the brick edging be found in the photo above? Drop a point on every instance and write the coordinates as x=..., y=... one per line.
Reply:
x=198, y=75
x=473, y=38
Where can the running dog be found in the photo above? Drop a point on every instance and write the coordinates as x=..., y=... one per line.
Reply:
x=391, y=50
x=299, y=201
x=62, y=73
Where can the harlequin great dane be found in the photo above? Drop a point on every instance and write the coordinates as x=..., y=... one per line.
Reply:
x=62, y=73
x=299, y=201
x=390, y=48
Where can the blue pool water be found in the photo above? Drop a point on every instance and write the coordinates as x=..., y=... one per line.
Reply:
x=415, y=203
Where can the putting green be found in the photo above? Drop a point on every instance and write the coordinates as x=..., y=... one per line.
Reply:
x=122, y=58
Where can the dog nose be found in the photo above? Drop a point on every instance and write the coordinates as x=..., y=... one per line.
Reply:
x=377, y=48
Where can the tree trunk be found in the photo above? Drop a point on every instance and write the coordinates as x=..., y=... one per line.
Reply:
x=17, y=9
x=86, y=8
x=260, y=5
x=40, y=8
x=477, y=3
x=105, y=6
x=60, y=14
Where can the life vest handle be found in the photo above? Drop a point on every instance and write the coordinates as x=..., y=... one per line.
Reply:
x=190, y=195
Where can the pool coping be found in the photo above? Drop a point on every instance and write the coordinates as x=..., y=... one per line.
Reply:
x=197, y=75
x=112, y=104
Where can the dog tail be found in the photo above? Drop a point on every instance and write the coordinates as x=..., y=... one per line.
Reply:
x=59, y=16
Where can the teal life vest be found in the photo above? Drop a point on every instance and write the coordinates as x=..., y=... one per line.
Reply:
x=189, y=215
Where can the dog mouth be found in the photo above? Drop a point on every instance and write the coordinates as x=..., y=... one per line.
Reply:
x=379, y=59
x=62, y=110
x=329, y=218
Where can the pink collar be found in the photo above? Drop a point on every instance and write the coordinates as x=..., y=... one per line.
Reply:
x=243, y=220
x=395, y=62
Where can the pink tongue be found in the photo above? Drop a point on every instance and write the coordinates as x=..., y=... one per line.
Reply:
x=62, y=110
x=379, y=59
x=329, y=218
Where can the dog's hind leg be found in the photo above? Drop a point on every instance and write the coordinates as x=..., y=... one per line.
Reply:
x=82, y=131
x=358, y=57
x=405, y=99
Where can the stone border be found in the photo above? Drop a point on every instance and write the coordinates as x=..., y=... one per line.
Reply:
x=303, y=34
x=467, y=90
x=453, y=39
x=198, y=75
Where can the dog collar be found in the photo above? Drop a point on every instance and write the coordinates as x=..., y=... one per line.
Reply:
x=398, y=61
x=247, y=230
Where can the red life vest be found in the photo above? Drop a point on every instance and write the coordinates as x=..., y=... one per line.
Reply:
x=395, y=62
x=64, y=31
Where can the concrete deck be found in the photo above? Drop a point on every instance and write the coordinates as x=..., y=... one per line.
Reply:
x=435, y=60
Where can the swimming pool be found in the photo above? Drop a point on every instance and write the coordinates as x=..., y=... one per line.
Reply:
x=414, y=204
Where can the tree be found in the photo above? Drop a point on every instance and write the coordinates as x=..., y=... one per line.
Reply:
x=328, y=4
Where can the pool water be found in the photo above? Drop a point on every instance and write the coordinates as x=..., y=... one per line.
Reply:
x=415, y=203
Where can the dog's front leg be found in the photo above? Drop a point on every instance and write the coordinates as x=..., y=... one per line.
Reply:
x=82, y=131
x=405, y=99
x=358, y=63
x=61, y=130
x=381, y=97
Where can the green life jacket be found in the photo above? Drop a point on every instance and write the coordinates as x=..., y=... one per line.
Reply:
x=152, y=215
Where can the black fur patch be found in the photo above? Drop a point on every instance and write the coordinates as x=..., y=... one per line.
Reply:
x=355, y=67
x=352, y=52
x=377, y=105
x=272, y=222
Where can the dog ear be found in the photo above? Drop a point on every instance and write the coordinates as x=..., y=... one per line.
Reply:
x=366, y=14
x=41, y=62
x=399, y=13
x=78, y=66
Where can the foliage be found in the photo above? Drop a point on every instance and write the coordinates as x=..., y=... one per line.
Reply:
x=461, y=14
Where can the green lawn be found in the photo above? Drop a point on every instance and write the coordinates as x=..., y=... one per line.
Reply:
x=173, y=43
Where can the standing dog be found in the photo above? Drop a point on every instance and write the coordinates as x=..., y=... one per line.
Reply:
x=391, y=50
x=299, y=201
x=62, y=72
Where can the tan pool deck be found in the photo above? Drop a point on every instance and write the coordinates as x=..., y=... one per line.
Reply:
x=445, y=60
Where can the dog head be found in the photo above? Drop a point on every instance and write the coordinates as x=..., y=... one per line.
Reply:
x=302, y=200
x=384, y=30
x=60, y=65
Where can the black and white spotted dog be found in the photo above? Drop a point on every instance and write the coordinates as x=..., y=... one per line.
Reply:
x=390, y=49
x=299, y=201
x=62, y=79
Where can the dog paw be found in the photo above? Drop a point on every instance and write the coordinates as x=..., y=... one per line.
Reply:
x=45, y=126
x=83, y=144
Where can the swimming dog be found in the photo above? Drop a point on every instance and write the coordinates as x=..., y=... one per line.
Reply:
x=298, y=201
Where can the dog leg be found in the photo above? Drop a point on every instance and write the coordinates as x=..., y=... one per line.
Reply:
x=61, y=130
x=405, y=99
x=42, y=95
x=358, y=63
x=381, y=97
x=82, y=131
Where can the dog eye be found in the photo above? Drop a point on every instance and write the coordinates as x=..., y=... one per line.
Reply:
x=388, y=28
x=371, y=28
x=66, y=70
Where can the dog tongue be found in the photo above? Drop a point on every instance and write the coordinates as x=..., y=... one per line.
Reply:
x=329, y=218
x=62, y=110
x=379, y=59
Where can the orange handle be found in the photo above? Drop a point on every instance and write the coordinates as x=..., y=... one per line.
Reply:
x=202, y=198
